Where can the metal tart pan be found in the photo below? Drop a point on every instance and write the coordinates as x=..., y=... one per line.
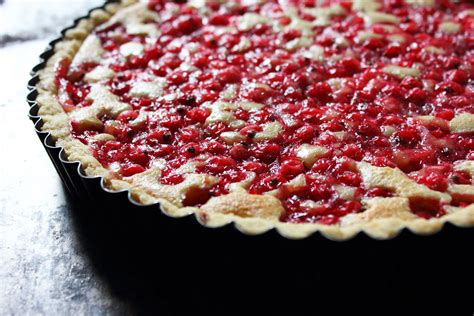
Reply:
x=242, y=273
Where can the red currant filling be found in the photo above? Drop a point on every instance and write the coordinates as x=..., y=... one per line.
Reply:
x=329, y=89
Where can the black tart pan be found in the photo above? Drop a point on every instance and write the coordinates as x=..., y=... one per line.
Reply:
x=226, y=269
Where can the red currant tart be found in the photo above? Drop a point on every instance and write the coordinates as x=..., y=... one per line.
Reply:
x=301, y=115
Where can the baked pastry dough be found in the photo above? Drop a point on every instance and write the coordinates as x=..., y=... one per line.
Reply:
x=335, y=117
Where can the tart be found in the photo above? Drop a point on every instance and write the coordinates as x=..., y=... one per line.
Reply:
x=332, y=116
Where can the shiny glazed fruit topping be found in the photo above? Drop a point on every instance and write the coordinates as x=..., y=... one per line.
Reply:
x=237, y=89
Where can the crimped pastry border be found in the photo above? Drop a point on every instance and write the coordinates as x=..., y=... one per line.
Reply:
x=55, y=123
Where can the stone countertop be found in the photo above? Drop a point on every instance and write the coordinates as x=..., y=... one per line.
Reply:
x=58, y=258
x=43, y=265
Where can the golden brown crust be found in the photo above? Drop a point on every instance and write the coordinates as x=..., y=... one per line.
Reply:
x=245, y=205
x=253, y=214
